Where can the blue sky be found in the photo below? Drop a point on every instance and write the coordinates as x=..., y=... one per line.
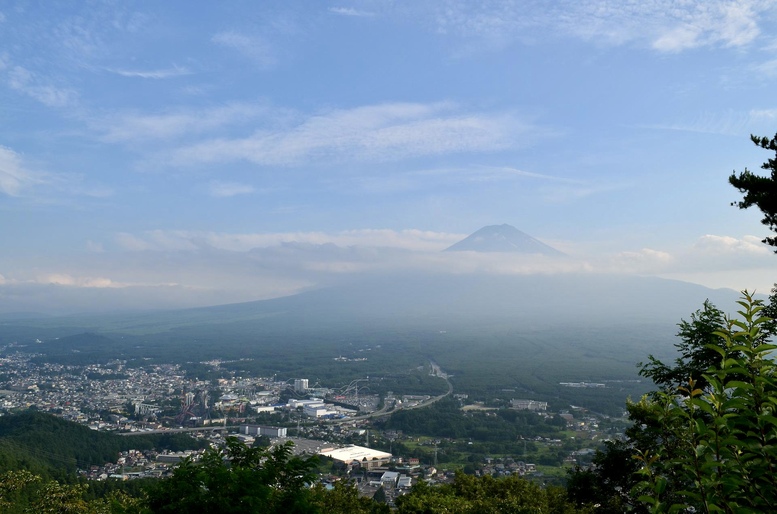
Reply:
x=189, y=153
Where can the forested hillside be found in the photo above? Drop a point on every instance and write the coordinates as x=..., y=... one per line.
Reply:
x=51, y=446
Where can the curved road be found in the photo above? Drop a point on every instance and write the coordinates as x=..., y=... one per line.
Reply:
x=436, y=371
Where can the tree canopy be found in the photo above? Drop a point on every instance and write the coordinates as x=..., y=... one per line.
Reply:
x=699, y=341
x=758, y=190
x=470, y=495
x=719, y=447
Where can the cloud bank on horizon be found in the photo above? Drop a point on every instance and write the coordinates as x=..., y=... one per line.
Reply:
x=177, y=155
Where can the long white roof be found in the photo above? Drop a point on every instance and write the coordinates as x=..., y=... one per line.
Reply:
x=352, y=453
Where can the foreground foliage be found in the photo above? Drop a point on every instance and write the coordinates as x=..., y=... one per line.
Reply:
x=719, y=451
x=239, y=479
x=23, y=492
x=760, y=191
x=471, y=495
x=708, y=444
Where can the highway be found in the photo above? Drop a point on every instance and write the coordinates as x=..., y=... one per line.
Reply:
x=436, y=371
x=173, y=430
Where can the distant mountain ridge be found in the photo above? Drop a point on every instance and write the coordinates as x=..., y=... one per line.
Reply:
x=504, y=239
x=403, y=297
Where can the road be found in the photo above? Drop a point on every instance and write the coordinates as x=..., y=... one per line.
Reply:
x=436, y=371
x=169, y=430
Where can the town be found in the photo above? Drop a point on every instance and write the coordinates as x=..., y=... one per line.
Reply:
x=351, y=429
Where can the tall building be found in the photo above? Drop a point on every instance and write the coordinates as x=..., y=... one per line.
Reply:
x=300, y=385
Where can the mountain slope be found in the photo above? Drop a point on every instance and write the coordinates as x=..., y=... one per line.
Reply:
x=423, y=297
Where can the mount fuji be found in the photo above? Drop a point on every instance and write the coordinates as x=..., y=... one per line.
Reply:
x=503, y=238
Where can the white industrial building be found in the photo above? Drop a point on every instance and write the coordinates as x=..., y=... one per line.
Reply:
x=531, y=405
x=266, y=408
x=314, y=408
x=365, y=457
x=259, y=430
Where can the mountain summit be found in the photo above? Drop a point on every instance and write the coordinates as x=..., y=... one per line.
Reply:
x=502, y=238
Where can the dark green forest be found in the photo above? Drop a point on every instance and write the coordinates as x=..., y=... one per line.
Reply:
x=445, y=419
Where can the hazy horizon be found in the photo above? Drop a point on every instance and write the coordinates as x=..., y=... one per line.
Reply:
x=191, y=154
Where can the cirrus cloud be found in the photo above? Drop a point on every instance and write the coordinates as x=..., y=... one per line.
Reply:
x=254, y=47
x=15, y=177
x=174, y=71
x=662, y=25
x=227, y=189
x=381, y=132
x=165, y=240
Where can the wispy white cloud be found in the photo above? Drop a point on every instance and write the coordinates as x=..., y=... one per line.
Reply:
x=64, y=279
x=761, y=115
x=157, y=240
x=725, y=261
x=730, y=122
x=709, y=23
x=129, y=126
x=378, y=132
x=175, y=71
x=664, y=25
x=31, y=84
x=410, y=239
x=18, y=178
x=95, y=247
x=382, y=132
x=768, y=68
x=718, y=246
x=350, y=11
x=709, y=253
x=227, y=189
x=419, y=179
x=493, y=174
x=131, y=242
x=645, y=260
x=254, y=47
x=47, y=49
x=15, y=177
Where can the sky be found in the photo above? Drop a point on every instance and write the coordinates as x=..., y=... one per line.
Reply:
x=173, y=154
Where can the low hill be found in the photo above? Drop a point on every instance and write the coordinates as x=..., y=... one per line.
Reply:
x=51, y=446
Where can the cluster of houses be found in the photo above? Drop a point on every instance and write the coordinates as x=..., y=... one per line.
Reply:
x=505, y=467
